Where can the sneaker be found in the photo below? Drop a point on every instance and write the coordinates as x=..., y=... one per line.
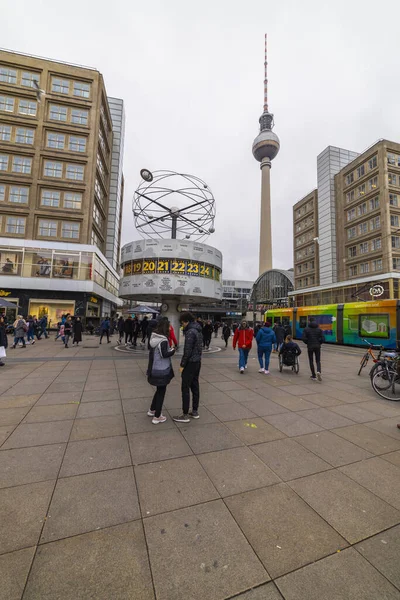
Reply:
x=151, y=413
x=160, y=419
x=261, y=370
x=266, y=372
x=313, y=378
x=319, y=376
x=245, y=366
x=194, y=414
x=242, y=370
x=182, y=418
x=33, y=342
x=2, y=364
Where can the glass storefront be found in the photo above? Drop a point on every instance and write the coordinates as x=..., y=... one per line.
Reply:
x=10, y=313
x=53, y=309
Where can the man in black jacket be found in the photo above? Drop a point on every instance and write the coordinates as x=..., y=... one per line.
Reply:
x=313, y=337
x=190, y=367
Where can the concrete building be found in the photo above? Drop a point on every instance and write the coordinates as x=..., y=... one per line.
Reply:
x=61, y=188
x=305, y=241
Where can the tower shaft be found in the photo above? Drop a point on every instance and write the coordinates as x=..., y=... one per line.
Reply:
x=265, y=261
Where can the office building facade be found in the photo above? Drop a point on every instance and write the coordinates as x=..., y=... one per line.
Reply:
x=305, y=241
x=57, y=166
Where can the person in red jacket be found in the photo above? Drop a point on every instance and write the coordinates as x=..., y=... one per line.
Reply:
x=243, y=338
x=172, y=338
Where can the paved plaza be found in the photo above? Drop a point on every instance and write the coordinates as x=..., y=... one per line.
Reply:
x=284, y=488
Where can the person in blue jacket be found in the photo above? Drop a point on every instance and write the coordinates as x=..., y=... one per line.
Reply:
x=265, y=338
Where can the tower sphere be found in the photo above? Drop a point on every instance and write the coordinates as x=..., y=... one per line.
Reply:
x=266, y=145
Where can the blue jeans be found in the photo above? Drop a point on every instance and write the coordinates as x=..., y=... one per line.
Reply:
x=243, y=356
x=30, y=335
x=264, y=356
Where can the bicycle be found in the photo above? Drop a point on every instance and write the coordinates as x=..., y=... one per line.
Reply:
x=369, y=353
x=386, y=380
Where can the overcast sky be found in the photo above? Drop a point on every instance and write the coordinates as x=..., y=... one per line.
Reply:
x=191, y=76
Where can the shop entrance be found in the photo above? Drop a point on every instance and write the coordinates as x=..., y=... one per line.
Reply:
x=53, y=309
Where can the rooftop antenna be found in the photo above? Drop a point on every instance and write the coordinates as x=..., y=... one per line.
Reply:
x=265, y=78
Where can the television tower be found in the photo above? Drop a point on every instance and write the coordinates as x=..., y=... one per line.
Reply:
x=265, y=148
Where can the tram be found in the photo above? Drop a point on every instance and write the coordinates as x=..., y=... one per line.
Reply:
x=349, y=324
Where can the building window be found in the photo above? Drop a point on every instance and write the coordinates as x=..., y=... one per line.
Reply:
x=361, y=190
x=353, y=270
x=393, y=200
x=15, y=225
x=364, y=268
x=377, y=264
x=2, y=192
x=18, y=194
x=362, y=228
x=392, y=179
x=24, y=136
x=8, y=75
x=98, y=190
x=98, y=219
x=6, y=104
x=5, y=133
x=53, y=169
x=350, y=196
x=27, y=107
x=47, y=228
x=58, y=113
x=77, y=144
x=73, y=200
x=362, y=209
x=394, y=220
x=56, y=140
x=391, y=158
x=4, y=162
x=75, y=172
x=351, y=233
x=60, y=86
x=395, y=241
x=364, y=248
x=82, y=90
x=373, y=183
x=50, y=198
x=96, y=240
x=352, y=251
x=100, y=166
x=70, y=230
x=21, y=164
x=374, y=203
x=349, y=178
x=29, y=78
x=372, y=163
x=351, y=214
x=79, y=116
x=376, y=244
x=396, y=264
x=360, y=171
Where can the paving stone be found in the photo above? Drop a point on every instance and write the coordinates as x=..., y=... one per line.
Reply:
x=92, y=501
x=393, y=457
x=301, y=390
x=99, y=409
x=333, y=449
x=383, y=552
x=20, y=389
x=210, y=437
x=172, y=484
x=218, y=557
x=228, y=386
x=263, y=407
x=88, y=456
x=243, y=395
x=59, y=398
x=57, y=412
x=289, y=460
x=292, y=424
x=355, y=412
x=236, y=470
x=101, y=385
x=12, y=416
x=206, y=416
x=231, y=412
x=14, y=569
x=133, y=405
x=387, y=426
x=346, y=397
x=18, y=401
x=254, y=431
x=98, y=427
x=141, y=422
x=137, y=391
x=5, y=432
x=111, y=563
x=100, y=396
x=369, y=439
x=284, y=531
x=264, y=592
x=27, y=465
x=38, y=434
x=72, y=385
x=342, y=576
x=22, y=513
x=379, y=477
x=380, y=407
x=322, y=400
x=326, y=418
x=351, y=509
x=158, y=445
x=214, y=398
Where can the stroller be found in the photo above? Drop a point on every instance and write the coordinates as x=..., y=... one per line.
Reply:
x=289, y=357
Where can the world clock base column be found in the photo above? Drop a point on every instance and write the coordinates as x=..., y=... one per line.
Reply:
x=169, y=309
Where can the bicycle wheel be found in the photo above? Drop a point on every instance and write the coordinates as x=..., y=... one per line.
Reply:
x=386, y=383
x=364, y=361
x=379, y=366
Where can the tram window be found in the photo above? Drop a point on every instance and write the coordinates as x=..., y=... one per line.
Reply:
x=303, y=322
x=277, y=319
x=285, y=321
x=374, y=325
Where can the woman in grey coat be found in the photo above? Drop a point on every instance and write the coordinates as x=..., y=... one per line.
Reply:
x=159, y=371
x=20, y=329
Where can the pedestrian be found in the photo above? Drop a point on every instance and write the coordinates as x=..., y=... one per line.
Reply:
x=313, y=337
x=77, y=328
x=67, y=330
x=135, y=330
x=143, y=326
x=120, y=327
x=243, y=338
x=3, y=341
x=216, y=327
x=128, y=329
x=289, y=349
x=89, y=326
x=159, y=371
x=280, y=336
x=105, y=329
x=226, y=333
x=20, y=329
x=43, y=327
x=61, y=333
x=152, y=324
x=257, y=328
x=173, y=342
x=30, y=337
x=190, y=367
x=207, y=334
x=36, y=327
x=288, y=330
x=265, y=338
